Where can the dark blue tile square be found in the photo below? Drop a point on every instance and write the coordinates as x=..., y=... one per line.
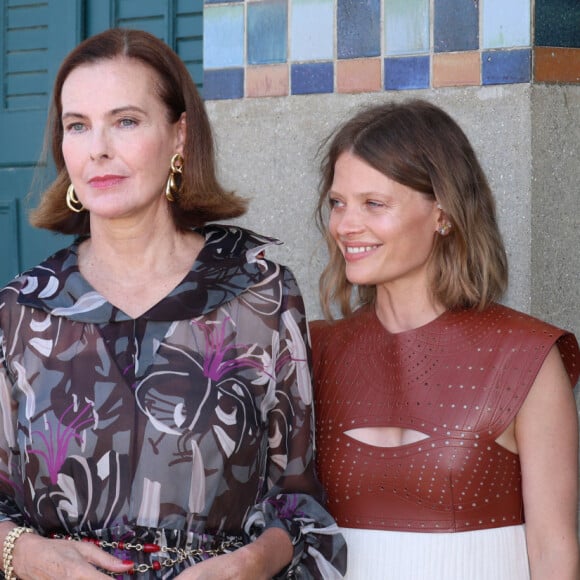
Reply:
x=267, y=31
x=223, y=84
x=456, y=25
x=557, y=23
x=358, y=28
x=500, y=67
x=410, y=72
x=316, y=77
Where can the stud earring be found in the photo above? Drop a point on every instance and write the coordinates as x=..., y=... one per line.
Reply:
x=173, y=183
x=72, y=201
x=444, y=229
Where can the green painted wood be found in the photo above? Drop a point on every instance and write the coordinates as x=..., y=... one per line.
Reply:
x=25, y=61
x=21, y=136
x=9, y=265
x=128, y=9
x=19, y=193
x=34, y=37
x=27, y=15
x=22, y=3
x=190, y=25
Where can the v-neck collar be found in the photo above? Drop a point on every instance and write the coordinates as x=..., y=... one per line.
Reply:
x=230, y=262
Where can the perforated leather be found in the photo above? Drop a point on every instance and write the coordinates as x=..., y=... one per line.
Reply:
x=461, y=380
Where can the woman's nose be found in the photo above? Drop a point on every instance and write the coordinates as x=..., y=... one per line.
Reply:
x=348, y=222
x=100, y=145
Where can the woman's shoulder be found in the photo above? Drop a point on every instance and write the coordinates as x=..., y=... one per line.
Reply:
x=501, y=316
x=324, y=331
x=529, y=333
x=228, y=240
x=230, y=248
x=44, y=283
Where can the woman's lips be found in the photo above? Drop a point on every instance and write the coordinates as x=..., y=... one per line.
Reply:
x=353, y=253
x=104, y=181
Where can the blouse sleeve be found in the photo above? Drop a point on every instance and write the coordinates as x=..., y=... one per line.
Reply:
x=8, y=507
x=294, y=496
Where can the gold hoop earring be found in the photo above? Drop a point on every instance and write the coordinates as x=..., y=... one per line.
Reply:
x=173, y=182
x=72, y=200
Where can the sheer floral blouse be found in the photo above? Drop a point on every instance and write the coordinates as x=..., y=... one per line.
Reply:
x=189, y=427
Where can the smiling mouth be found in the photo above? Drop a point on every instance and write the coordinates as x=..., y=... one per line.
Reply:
x=359, y=249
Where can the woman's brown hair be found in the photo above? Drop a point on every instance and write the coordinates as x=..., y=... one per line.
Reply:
x=201, y=198
x=420, y=146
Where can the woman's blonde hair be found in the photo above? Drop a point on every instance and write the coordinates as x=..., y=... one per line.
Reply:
x=420, y=146
x=201, y=198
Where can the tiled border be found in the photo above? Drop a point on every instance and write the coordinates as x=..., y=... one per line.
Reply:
x=506, y=66
x=556, y=65
x=358, y=75
x=410, y=72
x=455, y=69
x=346, y=49
x=267, y=81
x=314, y=77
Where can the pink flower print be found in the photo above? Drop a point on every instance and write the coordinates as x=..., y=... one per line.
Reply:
x=56, y=445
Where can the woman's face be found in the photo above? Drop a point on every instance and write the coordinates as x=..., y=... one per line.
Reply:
x=384, y=230
x=117, y=139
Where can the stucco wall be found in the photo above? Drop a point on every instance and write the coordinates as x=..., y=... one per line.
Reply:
x=555, y=224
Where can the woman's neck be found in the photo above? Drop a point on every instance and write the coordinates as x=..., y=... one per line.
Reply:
x=399, y=311
x=123, y=247
x=133, y=269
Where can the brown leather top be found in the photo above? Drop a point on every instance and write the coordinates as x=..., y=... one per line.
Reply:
x=460, y=380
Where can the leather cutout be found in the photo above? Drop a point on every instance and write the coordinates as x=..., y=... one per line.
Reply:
x=507, y=439
x=386, y=436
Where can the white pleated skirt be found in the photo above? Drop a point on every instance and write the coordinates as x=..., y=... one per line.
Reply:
x=494, y=554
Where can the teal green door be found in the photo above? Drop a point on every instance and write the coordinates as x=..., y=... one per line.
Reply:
x=34, y=38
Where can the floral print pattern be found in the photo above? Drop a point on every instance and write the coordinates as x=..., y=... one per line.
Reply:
x=186, y=426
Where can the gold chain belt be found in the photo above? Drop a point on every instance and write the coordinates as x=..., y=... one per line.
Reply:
x=174, y=554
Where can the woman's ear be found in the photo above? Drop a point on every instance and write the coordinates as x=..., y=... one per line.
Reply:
x=181, y=133
x=444, y=224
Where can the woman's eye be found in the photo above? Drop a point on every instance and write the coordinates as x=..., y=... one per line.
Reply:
x=374, y=204
x=334, y=202
x=75, y=127
x=126, y=122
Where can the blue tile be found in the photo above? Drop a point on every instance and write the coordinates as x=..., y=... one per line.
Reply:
x=410, y=72
x=506, y=24
x=358, y=28
x=406, y=27
x=456, y=25
x=316, y=77
x=500, y=67
x=222, y=1
x=223, y=84
x=312, y=29
x=267, y=31
x=223, y=36
x=557, y=23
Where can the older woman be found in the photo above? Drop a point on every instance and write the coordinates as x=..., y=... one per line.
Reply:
x=155, y=390
x=444, y=420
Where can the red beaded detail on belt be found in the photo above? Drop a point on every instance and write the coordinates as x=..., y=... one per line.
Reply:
x=175, y=555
